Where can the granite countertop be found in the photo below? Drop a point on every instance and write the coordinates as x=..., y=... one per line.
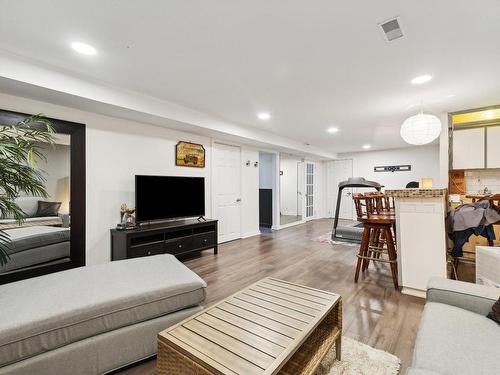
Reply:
x=416, y=193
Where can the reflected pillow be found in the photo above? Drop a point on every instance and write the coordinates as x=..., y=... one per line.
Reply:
x=495, y=312
x=48, y=208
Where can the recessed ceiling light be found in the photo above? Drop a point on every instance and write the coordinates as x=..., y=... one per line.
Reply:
x=366, y=147
x=264, y=116
x=332, y=130
x=421, y=79
x=83, y=48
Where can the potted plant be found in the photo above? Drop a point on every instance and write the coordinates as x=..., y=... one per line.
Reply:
x=20, y=148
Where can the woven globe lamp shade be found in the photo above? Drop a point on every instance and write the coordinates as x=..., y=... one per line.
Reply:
x=420, y=129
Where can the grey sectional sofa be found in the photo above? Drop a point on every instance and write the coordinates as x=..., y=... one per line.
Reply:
x=92, y=320
x=455, y=337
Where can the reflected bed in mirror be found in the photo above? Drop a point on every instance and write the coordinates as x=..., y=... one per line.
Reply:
x=51, y=235
x=44, y=235
x=291, y=189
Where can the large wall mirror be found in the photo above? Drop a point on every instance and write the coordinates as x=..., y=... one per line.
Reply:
x=51, y=236
x=291, y=189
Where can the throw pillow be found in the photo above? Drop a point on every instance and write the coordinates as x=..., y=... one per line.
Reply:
x=48, y=208
x=495, y=312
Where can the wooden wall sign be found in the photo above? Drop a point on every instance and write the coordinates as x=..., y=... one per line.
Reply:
x=189, y=155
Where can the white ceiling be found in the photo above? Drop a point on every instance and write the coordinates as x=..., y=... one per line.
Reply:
x=311, y=64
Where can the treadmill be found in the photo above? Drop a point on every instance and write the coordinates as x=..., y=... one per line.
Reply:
x=351, y=232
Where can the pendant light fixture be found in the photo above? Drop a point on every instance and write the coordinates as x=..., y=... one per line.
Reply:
x=420, y=129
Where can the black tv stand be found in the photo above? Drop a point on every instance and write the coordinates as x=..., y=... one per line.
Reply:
x=180, y=237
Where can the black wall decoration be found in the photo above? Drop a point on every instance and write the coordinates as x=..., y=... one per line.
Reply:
x=393, y=168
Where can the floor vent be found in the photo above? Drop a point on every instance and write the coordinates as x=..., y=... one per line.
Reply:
x=391, y=29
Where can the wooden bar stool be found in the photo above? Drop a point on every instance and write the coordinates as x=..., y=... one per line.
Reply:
x=382, y=205
x=377, y=243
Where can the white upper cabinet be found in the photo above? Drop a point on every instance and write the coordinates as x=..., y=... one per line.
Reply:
x=493, y=147
x=469, y=149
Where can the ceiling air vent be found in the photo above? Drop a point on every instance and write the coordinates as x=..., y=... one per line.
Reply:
x=391, y=29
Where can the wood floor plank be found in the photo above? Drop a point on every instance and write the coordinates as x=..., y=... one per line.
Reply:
x=252, y=326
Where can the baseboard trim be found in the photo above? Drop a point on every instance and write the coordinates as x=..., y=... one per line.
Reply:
x=250, y=234
x=414, y=292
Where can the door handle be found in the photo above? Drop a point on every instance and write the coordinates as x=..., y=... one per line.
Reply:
x=238, y=200
x=348, y=193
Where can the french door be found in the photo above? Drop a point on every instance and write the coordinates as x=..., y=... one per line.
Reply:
x=309, y=190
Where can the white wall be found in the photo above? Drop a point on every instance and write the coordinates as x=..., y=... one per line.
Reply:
x=267, y=177
x=319, y=189
x=424, y=161
x=443, y=153
x=288, y=186
x=56, y=170
x=249, y=193
x=268, y=173
x=117, y=150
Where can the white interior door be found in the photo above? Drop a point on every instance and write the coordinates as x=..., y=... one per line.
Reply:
x=338, y=171
x=300, y=189
x=309, y=190
x=227, y=190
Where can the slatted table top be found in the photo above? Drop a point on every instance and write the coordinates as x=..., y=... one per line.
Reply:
x=254, y=331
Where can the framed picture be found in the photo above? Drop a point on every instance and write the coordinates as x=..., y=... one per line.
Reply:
x=189, y=154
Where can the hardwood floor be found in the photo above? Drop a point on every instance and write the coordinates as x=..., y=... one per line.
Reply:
x=374, y=313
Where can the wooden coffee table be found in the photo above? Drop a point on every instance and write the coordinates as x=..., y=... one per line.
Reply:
x=270, y=327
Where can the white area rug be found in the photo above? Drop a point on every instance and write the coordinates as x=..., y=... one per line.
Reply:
x=327, y=239
x=359, y=359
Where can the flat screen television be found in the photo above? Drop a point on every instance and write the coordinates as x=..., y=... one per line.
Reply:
x=168, y=197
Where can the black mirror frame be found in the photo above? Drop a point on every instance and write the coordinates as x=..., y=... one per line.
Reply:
x=77, y=197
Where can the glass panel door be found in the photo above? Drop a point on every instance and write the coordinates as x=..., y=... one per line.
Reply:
x=309, y=190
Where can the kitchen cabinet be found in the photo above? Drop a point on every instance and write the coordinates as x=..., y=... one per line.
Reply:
x=493, y=147
x=469, y=148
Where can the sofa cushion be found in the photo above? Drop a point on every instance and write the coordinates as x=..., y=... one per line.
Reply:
x=48, y=208
x=455, y=341
x=51, y=311
x=56, y=220
x=30, y=237
x=29, y=205
x=495, y=312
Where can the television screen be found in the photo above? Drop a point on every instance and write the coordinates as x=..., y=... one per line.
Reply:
x=167, y=197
